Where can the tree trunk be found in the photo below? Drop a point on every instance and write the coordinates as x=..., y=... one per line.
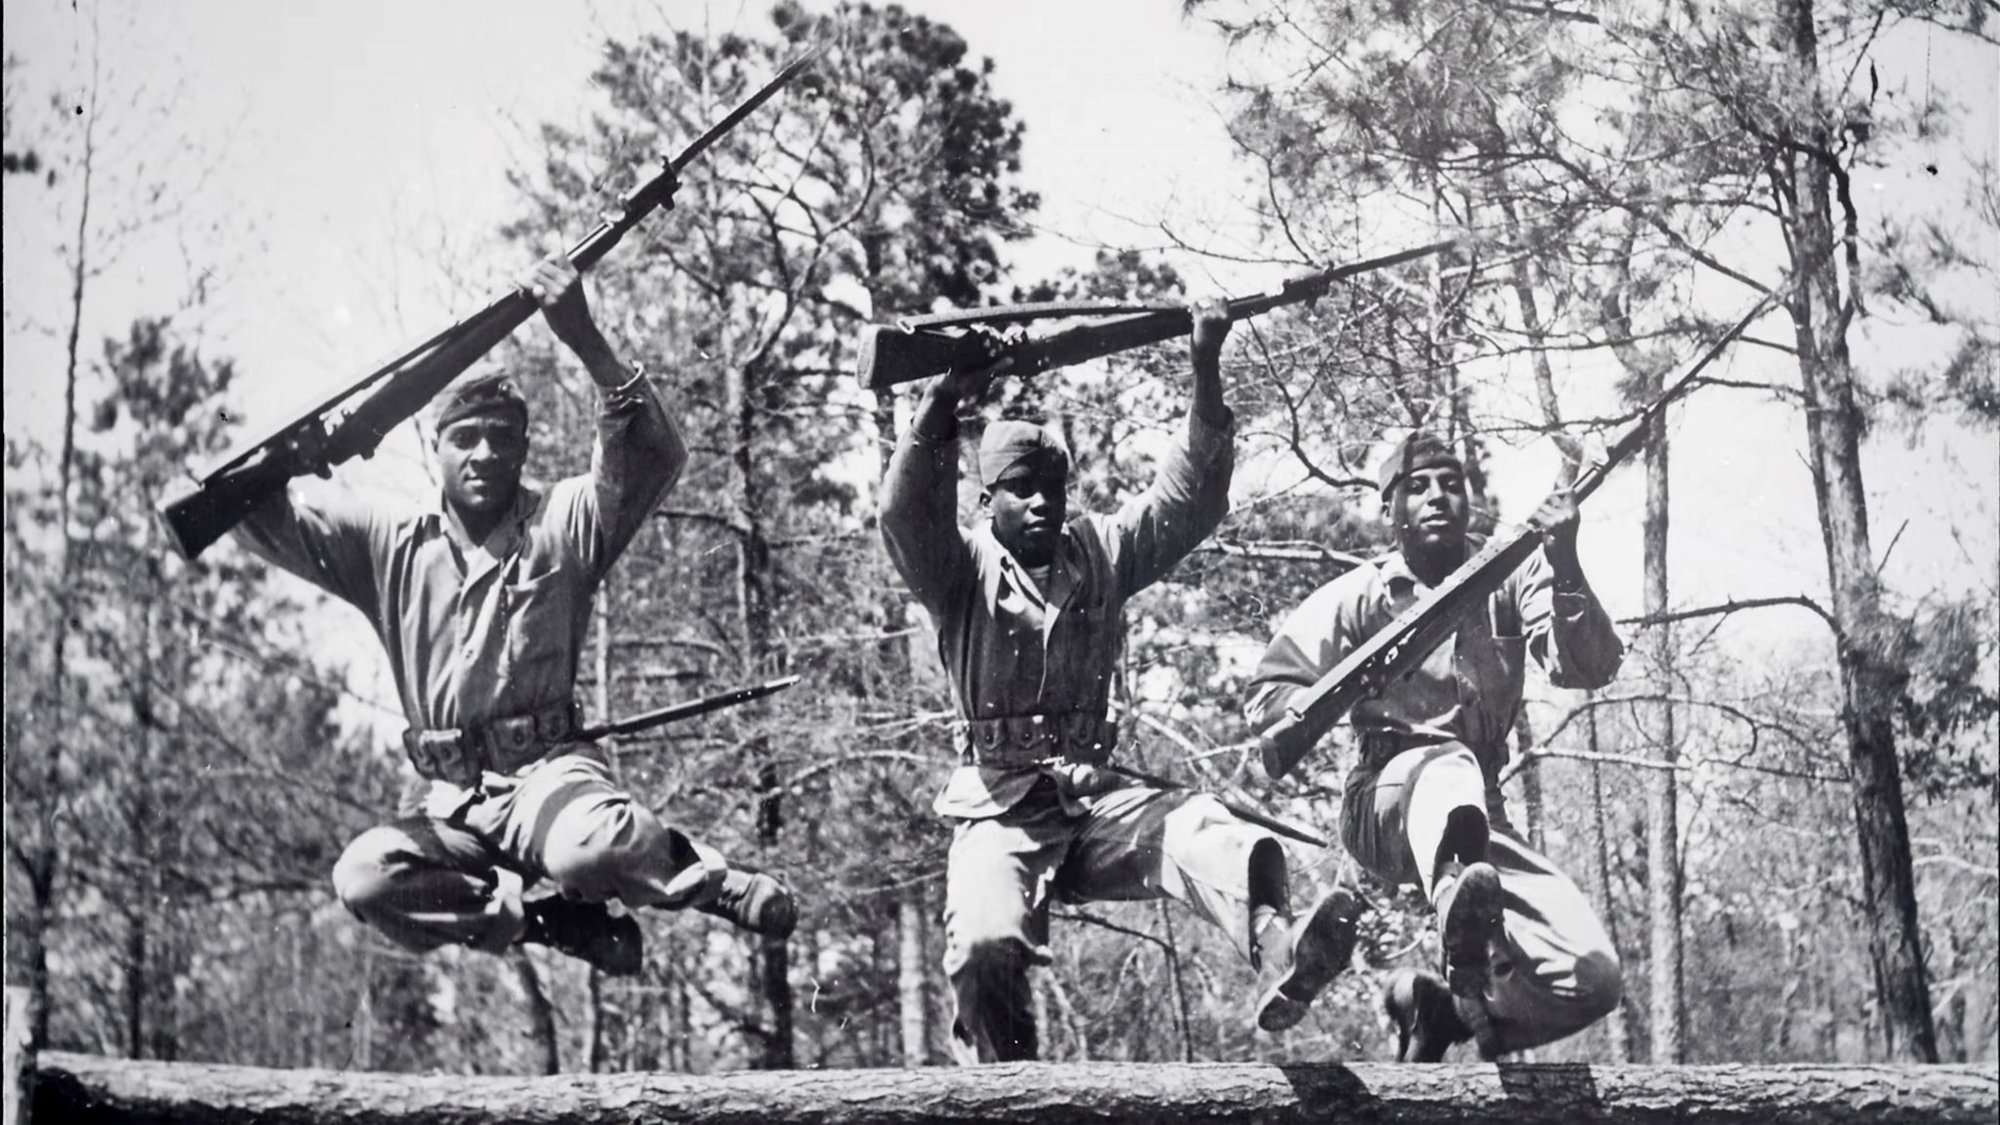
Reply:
x=362, y=1050
x=541, y=1015
x=20, y=1057
x=1183, y=1022
x=1615, y=1024
x=87, y=1089
x=753, y=575
x=912, y=984
x=1870, y=645
x=1663, y=873
x=43, y=854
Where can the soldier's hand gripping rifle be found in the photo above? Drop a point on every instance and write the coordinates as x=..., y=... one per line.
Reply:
x=919, y=347
x=1403, y=644
x=346, y=424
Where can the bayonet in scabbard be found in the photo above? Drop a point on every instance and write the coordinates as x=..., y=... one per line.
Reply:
x=676, y=712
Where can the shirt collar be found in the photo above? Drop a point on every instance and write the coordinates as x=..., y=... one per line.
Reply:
x=1065, y=572
x=1395, y=570
x=506, y=534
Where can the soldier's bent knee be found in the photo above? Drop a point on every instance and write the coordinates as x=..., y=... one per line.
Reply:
x=594, y=849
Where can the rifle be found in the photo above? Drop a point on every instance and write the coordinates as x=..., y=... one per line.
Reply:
x=313, y=442
x=1404, y=643
x=921, y=346
x=688, y=709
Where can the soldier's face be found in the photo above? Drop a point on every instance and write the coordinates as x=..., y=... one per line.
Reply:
x=1029, y=505
x=1428, y=508
x=481, y=458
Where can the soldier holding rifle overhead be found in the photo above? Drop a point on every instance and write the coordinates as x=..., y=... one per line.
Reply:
x=1526, y=960
x=482, y=605
x=1027, y=609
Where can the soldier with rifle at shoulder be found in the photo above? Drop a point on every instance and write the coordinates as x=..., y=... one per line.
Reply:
x=1526, y=960
x=482, y=605
x=1027, y=609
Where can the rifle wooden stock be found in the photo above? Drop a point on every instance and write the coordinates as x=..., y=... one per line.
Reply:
x=195, y=517
x=891, y=355
x=1403, y=644
x=314, y=442
x=921, y=347
x=196, y=514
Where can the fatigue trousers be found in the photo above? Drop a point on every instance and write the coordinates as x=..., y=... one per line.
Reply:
x=1556, y=972
x=429, y=881
x=1131, y=843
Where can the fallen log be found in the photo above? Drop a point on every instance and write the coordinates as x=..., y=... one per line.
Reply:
x=87, y=1089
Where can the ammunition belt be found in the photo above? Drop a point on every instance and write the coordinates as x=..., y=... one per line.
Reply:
x=1025, y=740
x=503, y=745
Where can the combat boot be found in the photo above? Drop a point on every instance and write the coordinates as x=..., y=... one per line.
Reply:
x=1426, y=1018
x=1471, y=919
x=756, y=902
x=1315, y=951
x=588, y=932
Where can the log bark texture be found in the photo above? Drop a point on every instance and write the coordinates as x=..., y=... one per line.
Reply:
x=88, y=1089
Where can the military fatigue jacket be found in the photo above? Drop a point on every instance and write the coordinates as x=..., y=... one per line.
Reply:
x=1009, y=649
x=1469, y=688
x=484, y=631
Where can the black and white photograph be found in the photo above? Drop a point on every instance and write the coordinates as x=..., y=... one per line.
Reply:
x=1222, y=561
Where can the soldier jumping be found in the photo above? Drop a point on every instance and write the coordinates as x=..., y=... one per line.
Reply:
x=1027, y=608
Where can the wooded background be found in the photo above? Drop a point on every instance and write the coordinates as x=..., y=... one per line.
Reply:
x=1795, y=850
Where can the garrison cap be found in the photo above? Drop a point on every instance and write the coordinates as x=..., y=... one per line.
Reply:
x=1009, y=444
x=487, y=391
x=1421, y=450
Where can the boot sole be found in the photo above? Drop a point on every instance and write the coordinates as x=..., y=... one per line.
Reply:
x=1320, y=951
x=1477, y=919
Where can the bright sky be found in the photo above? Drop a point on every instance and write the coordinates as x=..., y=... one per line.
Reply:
x=351, y=159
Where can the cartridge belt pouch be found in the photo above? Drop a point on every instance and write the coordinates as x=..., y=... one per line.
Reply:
x=1026, y=740
x=461, y=755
